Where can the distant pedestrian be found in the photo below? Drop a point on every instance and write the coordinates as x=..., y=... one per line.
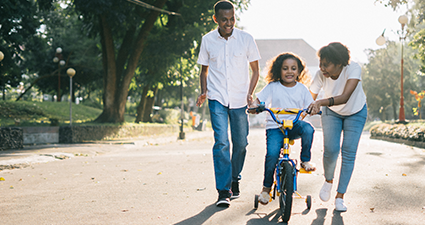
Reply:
x=344, y=112
x=226, y=55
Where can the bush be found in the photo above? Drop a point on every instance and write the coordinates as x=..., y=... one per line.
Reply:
x=414, y=132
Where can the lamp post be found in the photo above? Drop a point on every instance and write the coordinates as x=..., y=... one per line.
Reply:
x=181, y=134
x=71, y=73
x=2, y=78
x=58, y=59
x=381, y=41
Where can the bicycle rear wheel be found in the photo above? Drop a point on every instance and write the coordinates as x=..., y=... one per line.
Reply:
x=286, y=190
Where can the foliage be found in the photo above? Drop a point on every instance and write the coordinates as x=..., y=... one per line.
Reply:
x=413, y=132
x=27, y=113
x=62, y=28
x=19, y=21
x=381, y=81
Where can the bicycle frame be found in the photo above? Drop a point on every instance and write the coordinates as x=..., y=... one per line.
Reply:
x=286, y=125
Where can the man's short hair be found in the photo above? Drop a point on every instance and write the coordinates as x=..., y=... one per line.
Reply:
x=223, y=4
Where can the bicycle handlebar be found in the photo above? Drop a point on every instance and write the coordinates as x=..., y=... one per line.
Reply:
x=272, y=111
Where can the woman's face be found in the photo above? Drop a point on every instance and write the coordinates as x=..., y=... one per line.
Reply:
x=289, y=72
x=330, y=69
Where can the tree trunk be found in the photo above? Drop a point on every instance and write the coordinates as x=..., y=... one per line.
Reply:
x=150, y=100
x=116, y=85
x=142, y=104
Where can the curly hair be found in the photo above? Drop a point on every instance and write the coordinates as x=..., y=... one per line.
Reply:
x=335, y=53
x=275, y=68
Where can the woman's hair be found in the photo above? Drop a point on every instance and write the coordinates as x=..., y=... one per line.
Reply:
x=275, y=68
x=223, y=4
x=335, y=53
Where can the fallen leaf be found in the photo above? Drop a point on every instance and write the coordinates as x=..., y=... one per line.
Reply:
x=159, y=173
x=372, y=209
x=404, y=174
x=2, y=179
x=125, y=210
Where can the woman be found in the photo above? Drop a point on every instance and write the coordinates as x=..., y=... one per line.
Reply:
x=344, y=111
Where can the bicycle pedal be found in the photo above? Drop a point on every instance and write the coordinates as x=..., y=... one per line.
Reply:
x=302, y=170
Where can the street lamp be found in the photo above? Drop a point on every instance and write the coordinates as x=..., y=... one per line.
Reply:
x=58, y=59
x=71, y=73
x=381, y=41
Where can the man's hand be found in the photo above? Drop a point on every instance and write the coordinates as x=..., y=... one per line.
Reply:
x=201, y=99
x=249, y=99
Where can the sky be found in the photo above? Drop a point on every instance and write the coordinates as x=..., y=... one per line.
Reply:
x=355, y=23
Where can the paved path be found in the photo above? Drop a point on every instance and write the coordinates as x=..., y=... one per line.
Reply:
x=163, y=180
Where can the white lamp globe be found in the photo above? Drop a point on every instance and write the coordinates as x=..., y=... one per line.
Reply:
x=1, y=56
x=380, y=40
x=70, y=72
x=403, y=19
x=59, y=50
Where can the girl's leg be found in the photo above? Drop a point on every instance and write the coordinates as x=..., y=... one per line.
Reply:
x=274, y=139
x=332, y=128
x=305, y=131
x=353, y=128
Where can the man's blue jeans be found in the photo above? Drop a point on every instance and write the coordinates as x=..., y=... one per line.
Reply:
x=302, y=130
x=228, y=168
x=351, y=126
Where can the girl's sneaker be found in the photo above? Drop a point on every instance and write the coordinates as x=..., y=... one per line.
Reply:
x=265, y=197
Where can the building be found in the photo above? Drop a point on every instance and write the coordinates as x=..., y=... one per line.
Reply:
x=270, y=48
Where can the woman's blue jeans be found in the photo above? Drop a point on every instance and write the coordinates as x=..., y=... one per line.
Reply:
x=351, y=126
x=228, y=168
x=302, y=130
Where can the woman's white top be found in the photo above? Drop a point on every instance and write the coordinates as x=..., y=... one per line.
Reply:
x=332, y=88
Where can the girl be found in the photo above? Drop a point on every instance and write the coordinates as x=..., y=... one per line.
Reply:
x=285, y=89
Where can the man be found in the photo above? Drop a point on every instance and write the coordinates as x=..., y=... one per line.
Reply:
x=225, y=55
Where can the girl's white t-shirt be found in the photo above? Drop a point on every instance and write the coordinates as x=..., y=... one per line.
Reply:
x=332, y=88
x=275, y=95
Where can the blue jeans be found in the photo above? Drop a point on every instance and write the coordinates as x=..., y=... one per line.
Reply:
x=351, y=126
x=228, y=168
x=302, y=130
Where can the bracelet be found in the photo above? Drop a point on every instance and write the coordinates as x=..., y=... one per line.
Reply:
x=331, y=101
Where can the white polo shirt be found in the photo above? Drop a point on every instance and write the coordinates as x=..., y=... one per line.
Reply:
x=332, y=88
x=228, y=66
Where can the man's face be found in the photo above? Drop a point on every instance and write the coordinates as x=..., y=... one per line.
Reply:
x=226, y=21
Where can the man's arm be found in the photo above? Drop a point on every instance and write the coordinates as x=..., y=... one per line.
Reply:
x=254, y=80
x=203, y=81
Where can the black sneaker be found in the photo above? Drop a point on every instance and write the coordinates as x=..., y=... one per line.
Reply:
x=235, y=190
x=223, y=199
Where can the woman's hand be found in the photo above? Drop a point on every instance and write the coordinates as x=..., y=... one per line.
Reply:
x=314, y=108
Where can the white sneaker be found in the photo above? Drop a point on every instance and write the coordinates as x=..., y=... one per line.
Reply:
x=325, y=192
x=264, y=198
x=340, y=205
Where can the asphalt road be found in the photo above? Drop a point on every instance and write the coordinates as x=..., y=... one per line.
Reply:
x=162, y=180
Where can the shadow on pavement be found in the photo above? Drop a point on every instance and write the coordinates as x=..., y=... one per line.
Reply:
x=321, y=214
x=264, y=218
x=201, y=217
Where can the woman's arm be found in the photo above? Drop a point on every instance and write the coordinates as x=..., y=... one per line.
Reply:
x=349, y=88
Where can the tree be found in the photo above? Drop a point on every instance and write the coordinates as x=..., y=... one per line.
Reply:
x=19, y=21
x=124, y=29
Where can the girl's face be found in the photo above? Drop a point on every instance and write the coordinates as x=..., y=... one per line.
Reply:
x=330, y=69
x=289, y=72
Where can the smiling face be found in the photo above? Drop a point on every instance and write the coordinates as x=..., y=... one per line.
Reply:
x=225, y=19
x=289, y=72
x=329, y=69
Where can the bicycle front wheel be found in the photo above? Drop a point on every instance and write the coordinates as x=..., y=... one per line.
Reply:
x=286, y=190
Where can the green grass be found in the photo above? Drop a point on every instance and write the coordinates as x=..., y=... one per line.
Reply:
x=26, y=113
